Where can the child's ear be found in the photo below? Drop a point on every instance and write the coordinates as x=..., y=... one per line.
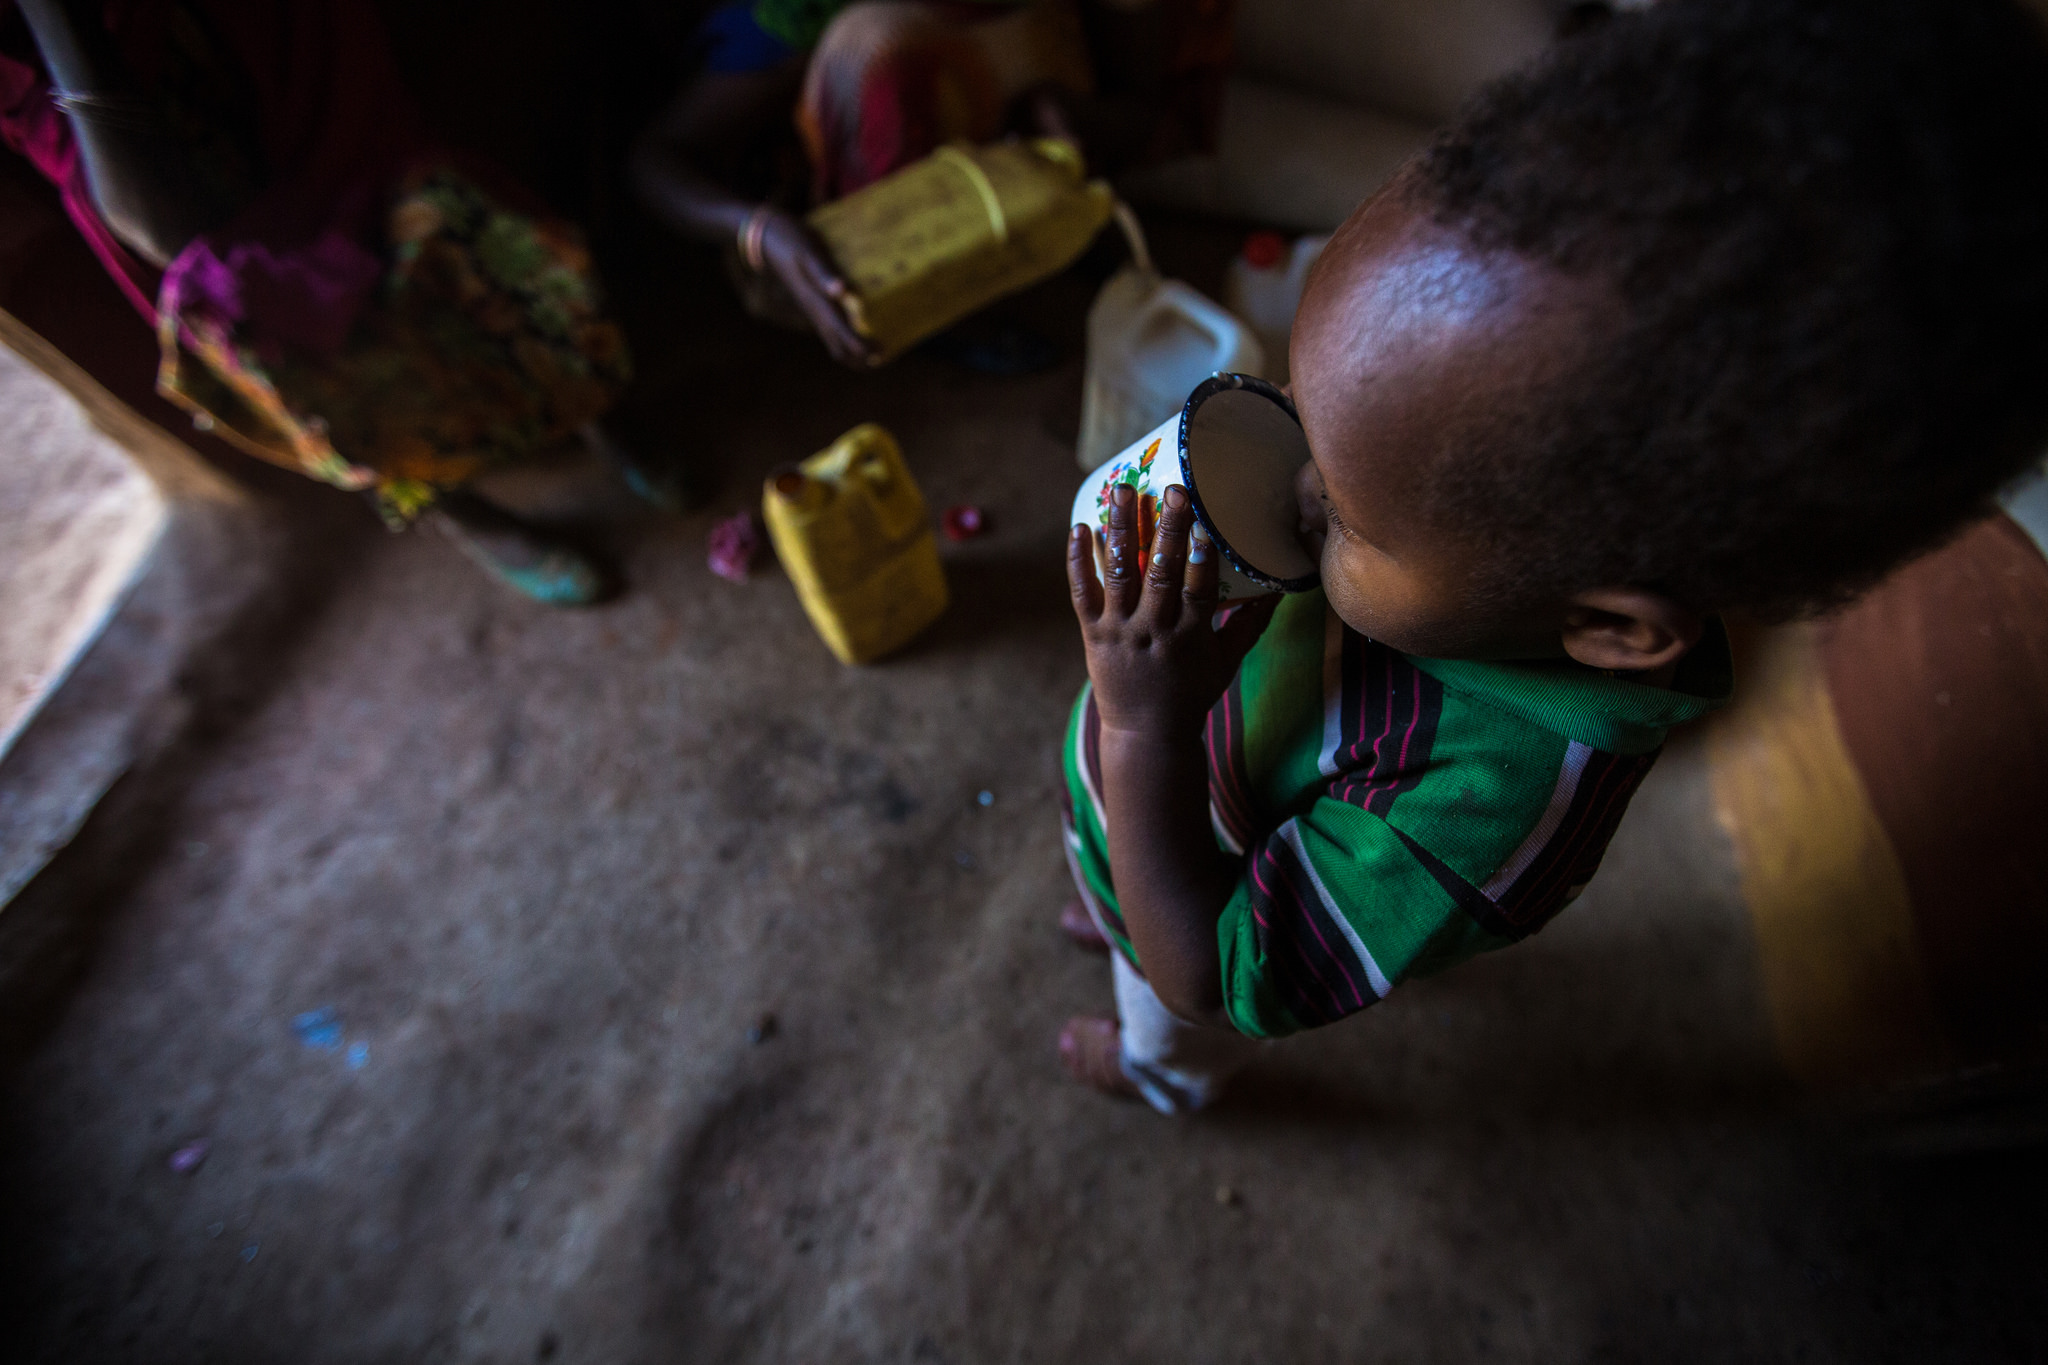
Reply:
x=1629, y=629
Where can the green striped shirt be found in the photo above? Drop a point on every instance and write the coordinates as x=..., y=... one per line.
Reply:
x=1395, y=815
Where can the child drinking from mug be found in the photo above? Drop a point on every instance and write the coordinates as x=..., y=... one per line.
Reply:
x=1725, y=304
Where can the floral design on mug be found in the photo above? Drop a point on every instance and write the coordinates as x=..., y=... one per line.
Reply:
x=1139, y=477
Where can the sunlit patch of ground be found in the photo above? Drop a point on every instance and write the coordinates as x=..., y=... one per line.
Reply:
x=76, y=518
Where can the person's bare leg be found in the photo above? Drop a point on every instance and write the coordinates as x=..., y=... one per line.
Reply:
x=1079, y=927
x=1091, y=1049
x=1147, y=1052
x=139, y=170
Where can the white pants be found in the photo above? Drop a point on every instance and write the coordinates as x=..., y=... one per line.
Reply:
x=1178, y=1067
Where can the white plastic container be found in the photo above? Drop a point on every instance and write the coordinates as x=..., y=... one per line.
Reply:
x=1150, y=341
x=1263, y=285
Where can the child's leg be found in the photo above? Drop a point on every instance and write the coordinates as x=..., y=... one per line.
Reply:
x=1174, y=1066
x=1080, y=927
x=1177, y=1066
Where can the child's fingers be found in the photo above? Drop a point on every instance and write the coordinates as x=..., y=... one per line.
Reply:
x=1198, y=588
x=1122, y=579
x=1169, y=556
x=1081, y=581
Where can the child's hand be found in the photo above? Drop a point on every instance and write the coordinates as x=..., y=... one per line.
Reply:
x=1156, y=663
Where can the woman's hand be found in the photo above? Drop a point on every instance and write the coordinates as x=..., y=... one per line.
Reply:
x=689, y=163
x=1157, y=664
x=794, y=256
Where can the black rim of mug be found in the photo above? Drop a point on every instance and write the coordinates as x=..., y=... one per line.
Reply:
x=1220, y=382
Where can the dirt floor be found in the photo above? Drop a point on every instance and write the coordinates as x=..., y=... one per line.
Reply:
x=637, y=984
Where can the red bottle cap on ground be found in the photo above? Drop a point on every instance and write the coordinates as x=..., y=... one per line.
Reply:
x=963, y=522
x=1263, y=249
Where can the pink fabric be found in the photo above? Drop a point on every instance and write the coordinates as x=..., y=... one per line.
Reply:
x=734, y=546
x=31, y=125
x=306, y=298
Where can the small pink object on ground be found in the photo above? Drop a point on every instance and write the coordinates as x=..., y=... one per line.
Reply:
x=186, y=1159
x=963, y=522
x=735, y=544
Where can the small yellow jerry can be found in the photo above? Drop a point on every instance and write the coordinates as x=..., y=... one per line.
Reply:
x=850, y=527
x=926, y=246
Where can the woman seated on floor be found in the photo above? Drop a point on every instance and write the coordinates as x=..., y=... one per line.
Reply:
x=330, y=290
x=877, y=84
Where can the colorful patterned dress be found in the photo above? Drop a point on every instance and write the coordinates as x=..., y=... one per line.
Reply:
x=479, y=341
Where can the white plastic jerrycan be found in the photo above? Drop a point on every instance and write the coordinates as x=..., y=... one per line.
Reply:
x=1150, y=341
x=1263, y=287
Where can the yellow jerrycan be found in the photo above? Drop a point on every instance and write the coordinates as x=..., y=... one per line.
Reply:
x=850, y=526
x=927, y=245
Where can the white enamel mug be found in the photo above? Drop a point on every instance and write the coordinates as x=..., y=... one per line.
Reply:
x=1237, y=447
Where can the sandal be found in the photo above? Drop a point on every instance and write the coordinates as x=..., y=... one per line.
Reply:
x=517, y=555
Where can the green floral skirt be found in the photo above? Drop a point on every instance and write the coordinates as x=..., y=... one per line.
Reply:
x=484, y=342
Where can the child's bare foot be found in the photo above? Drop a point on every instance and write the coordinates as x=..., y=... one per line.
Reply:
x=1079, y=926
x=1092, y=1052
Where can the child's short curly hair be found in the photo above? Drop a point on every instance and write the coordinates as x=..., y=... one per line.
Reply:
x=1829, y=221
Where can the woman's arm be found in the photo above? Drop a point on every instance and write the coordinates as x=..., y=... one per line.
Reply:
x=699, y=146
x=139, y=173
x=682, y=167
